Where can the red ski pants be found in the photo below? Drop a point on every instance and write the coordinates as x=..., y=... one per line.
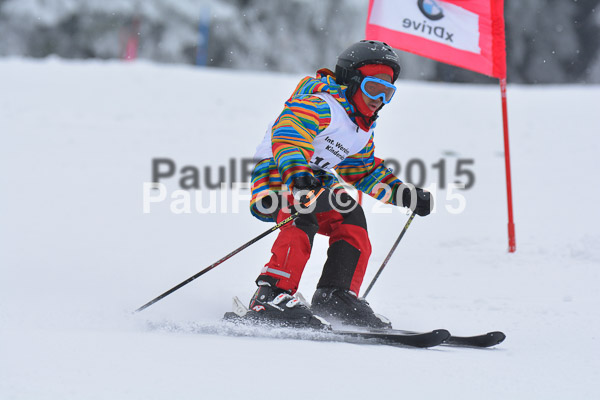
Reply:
x=347, y=256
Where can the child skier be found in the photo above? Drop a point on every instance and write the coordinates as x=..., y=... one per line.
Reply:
x=327, y=123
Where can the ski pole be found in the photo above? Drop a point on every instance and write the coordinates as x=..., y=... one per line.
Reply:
x=311, y=199
x=412, y=216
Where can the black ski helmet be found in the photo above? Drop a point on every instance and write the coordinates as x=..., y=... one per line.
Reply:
x=362, y=53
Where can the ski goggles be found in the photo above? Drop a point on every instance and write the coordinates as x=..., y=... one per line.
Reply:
x=375, y=88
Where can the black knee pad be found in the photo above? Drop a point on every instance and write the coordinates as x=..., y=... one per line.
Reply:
x=308, y=224
x=342, y=259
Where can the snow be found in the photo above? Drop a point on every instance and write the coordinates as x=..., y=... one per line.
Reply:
x=77, y=253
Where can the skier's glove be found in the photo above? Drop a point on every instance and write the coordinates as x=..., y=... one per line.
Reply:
x=305, y=188
x=424, y=203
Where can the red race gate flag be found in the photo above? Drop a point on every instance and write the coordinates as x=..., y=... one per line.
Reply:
x=465, y=33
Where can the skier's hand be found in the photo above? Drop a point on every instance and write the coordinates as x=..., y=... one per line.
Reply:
x=423, y=204
x=305, y=188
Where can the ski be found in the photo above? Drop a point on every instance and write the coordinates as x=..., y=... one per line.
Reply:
x=422, y=340
x=484, y=340
x=489, y=339
x=390, y=338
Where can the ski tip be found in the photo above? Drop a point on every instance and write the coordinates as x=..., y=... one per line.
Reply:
x=442, y=333
x=497, y=337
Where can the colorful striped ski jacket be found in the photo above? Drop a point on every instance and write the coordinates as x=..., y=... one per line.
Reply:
x=304, y=117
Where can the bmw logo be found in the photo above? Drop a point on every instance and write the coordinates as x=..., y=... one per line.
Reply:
x=431, y=9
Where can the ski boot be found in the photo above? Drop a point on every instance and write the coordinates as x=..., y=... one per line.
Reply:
x=344, y=306
x=275, y=306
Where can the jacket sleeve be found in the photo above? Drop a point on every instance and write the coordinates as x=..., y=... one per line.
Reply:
x=368, y=174
x=293, y=133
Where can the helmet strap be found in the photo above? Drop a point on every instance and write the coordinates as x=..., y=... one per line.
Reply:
x=352, y=79
x=363, y=121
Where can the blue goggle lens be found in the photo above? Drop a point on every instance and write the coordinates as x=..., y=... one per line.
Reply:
x=376, y=88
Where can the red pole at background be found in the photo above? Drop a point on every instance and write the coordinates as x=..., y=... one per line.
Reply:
x=131, y=48
x=132, y=41
x=512, y=242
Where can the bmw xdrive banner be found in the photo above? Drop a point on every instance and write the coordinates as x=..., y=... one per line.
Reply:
x=465, y=33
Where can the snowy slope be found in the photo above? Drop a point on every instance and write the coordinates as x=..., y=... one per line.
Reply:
x=77, y=253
